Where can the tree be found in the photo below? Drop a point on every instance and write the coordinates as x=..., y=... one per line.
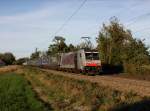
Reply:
x=71, y=48
x=136, y=53
x=111, y=40
x=1, y=56
x=20, y=61
x=8, y=58
x=59, y=39
x=52, y=49
x=35, y=54
x=59, y=46
x=118, y=47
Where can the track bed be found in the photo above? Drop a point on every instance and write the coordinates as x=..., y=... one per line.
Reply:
x=140, y=87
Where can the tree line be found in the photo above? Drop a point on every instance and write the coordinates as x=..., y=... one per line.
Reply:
x=8, y=58
x=116, y=45
x=59, y=45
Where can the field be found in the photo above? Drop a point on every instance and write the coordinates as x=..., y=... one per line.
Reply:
x=17, y=95
x=33, y=89
x=64, y=93
x=8, y=68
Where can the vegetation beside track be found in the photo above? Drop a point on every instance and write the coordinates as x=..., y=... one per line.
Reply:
x=10, y=68
x=67, y=94
x=142, y=73
x=135, y=76
x=16, y=94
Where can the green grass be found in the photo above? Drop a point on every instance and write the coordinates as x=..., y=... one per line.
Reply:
x=17, y=95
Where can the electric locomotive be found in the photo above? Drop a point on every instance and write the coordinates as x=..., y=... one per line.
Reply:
x=81, y=60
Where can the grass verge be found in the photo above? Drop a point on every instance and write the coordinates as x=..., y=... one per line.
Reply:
x=16, y=94
x=10, y=68
x=67, y=94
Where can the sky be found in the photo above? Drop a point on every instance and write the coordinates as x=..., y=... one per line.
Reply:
x=29, y=24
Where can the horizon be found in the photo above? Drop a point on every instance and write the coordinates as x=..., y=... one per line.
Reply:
x=30, y=24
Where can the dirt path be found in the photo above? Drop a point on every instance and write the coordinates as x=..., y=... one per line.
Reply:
x=140, y=87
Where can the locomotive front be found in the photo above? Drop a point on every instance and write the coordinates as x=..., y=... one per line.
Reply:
x=92, y=62
x=89, y=61
x=81, y=61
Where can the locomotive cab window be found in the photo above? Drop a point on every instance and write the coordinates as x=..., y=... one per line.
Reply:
x=95, y=56
x=88, y=56
x=92, y=56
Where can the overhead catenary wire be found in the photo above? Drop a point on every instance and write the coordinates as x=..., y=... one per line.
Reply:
x=132, y=20
x=70, y=17
x=118, y=14
x=137, y=18
x=144, y=29
x=67, y=20
x=75, y=12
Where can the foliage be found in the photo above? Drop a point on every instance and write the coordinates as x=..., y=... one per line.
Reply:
x=111, y=41
x=8, y=58
x=35, y=54
x=137, y=72
x=136, y=59
x=60, y=46
x=118, y=47
x=20, y=61
x=16, y=94
x=71, y=47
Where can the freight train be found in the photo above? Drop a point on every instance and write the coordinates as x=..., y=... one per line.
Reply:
x=77, y=61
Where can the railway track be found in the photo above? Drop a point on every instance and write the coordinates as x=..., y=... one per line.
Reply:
x=140, y=87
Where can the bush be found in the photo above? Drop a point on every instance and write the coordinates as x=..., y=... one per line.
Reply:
x=111, y=69
x=136, y=71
